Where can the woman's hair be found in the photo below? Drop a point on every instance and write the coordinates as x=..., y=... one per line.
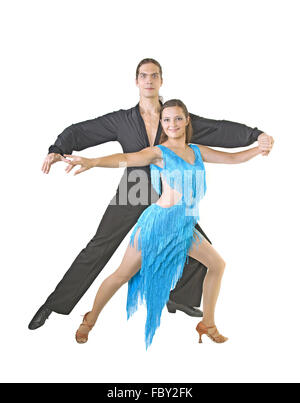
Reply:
x=188, y=129
x=146, y=61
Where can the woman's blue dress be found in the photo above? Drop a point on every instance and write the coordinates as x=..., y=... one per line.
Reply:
x=166, y=235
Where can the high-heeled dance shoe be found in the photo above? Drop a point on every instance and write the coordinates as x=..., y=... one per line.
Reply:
x=215, y=336
x=82, y=338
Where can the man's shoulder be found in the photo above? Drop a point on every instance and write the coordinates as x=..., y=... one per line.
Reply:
x=200, y=121
x=194, y=116
x=122, y=112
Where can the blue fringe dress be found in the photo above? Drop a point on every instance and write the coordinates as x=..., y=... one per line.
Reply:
x=166, y=235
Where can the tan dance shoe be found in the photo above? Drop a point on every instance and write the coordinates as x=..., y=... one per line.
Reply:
x=214, y=336
x=80, y=337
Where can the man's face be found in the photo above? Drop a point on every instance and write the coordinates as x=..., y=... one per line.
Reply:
x=149, y=80
x=174, y=122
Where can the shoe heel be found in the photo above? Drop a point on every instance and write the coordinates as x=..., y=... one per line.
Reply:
x=171, y=310
x=201, y=331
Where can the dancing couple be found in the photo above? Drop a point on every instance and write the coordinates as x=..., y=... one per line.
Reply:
x=169, y=260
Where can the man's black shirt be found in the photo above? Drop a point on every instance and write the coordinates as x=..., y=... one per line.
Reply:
x=128, y=128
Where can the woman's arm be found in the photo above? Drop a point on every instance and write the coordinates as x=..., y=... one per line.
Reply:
x=221, y=157
x=141, y=158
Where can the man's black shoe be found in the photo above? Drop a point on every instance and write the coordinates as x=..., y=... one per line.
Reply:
x=189, y=310
x=39, y=318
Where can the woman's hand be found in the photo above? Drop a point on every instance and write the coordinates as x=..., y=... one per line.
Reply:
x=86, y=163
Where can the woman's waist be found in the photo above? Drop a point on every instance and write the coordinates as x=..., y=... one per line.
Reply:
x=169, y=199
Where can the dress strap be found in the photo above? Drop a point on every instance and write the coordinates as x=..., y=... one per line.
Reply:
x=197, y=153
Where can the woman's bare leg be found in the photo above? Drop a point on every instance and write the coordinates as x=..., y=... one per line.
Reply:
x=205, y=253
x=130, y=265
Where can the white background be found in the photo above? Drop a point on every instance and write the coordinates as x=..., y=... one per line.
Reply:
x=69, y=61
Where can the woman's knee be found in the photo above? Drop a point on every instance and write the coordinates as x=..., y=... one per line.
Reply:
x=119, y=279
x=217, y=265
x=123, y=276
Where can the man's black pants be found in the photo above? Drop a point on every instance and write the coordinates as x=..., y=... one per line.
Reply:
x=117, y=221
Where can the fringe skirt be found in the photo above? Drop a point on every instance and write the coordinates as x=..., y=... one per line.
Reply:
x=166, y=235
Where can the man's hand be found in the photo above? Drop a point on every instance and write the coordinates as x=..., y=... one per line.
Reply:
x=51, y=158
x=265, y=143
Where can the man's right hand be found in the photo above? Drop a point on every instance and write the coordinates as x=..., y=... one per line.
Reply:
x=51, y=159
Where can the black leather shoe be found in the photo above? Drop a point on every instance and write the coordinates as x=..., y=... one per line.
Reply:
x=189, y=310
x=39, y=318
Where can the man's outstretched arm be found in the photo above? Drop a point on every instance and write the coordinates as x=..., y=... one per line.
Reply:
x=227, y=134
x=83, y=135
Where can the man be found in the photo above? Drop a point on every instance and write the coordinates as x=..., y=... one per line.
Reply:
x=135, y=129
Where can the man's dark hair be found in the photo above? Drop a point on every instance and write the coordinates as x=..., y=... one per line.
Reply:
x=145, y=61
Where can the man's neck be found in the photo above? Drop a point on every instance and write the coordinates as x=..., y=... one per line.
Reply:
x=149, y=105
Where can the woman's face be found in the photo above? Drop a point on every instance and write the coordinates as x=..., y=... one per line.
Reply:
x=174, y=122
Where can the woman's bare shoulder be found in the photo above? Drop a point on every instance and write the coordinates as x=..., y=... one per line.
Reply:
x=201, y=147
x=156, y=150
x=158, y=155
x=204, y=150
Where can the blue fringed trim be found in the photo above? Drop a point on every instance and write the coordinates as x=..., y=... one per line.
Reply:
x=164, y=254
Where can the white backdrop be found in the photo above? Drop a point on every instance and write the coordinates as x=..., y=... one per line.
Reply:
x=69, y=61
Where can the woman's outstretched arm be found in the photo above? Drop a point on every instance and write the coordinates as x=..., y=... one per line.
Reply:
x=141, y=158
x=210, y=155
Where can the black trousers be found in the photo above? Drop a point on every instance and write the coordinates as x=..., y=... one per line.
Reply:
x=117, y=221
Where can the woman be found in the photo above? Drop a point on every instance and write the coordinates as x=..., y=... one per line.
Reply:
x=164, y=235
